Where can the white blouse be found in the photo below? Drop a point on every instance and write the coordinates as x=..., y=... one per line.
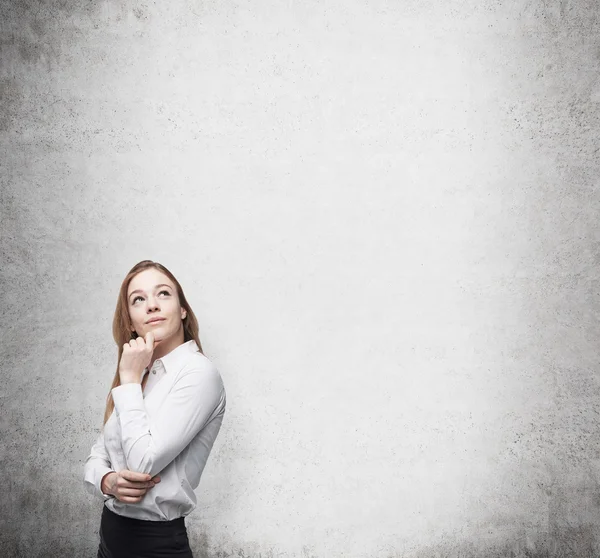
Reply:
x=168, y=428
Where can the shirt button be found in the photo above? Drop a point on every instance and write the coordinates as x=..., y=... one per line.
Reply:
x=153, y=371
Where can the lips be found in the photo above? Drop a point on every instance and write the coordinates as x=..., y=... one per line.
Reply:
x=153, y=320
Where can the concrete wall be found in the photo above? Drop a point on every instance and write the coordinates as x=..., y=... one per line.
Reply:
x=384, y=214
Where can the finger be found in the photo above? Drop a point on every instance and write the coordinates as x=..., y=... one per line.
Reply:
x=150, y=340
x=138, y=485
x=132, y=491
x=134, y=476
x=126, y=482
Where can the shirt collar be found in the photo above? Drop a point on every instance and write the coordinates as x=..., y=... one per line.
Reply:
x=176, y=359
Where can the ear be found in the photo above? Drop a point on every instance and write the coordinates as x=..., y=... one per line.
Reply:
x=183, y=313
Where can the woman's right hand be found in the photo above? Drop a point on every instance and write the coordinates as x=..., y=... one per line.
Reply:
x=128, y=486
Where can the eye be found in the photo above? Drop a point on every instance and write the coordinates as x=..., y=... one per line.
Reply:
x=142, y=298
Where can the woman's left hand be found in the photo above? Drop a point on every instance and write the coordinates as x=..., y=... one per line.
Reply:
x=136, y=356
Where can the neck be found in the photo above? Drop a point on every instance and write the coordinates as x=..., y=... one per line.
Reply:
x=165, y=346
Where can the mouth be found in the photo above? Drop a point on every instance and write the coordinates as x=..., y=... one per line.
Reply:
x=155, y=321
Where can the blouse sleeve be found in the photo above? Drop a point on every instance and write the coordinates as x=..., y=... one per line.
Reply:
x=96, y=466
x=151, y=443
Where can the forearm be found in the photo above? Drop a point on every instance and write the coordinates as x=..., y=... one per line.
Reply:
x=96, y=467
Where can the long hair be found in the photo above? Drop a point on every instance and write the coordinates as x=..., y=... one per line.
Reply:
x=121, y=322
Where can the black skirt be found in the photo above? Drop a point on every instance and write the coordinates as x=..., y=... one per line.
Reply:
x=125, y=537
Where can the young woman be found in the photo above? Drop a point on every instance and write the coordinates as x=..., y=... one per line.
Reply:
x=163, y=413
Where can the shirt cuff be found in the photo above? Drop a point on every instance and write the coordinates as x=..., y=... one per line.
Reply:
x=128, y=397
x=94, y=481
x=105, y=496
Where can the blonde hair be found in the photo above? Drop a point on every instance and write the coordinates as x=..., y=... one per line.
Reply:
x=121, y=322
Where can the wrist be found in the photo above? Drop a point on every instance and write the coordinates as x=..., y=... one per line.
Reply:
x=106, y=484
x=129, y=376
x=128, y=381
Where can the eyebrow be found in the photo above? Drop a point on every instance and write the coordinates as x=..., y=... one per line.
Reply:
x=156, y=287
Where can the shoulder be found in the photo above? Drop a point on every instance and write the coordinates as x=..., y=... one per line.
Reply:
x=203, y=368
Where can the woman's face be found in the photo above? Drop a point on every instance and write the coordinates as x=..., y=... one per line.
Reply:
x=154, y=305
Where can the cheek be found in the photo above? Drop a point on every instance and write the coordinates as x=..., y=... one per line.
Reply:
x=136, y=318
x=171, y=307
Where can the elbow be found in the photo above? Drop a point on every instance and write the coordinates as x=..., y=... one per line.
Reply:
x=141, y=457
x=142, y=464
x=146, y=455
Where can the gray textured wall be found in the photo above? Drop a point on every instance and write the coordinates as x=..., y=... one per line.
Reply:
x=385, y=217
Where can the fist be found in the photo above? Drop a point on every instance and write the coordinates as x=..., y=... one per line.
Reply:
x=128, y=486
x=137, y=354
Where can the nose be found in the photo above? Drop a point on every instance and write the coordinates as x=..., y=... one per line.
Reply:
x=152, y=304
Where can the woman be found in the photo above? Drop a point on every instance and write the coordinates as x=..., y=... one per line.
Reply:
x=163, y=413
